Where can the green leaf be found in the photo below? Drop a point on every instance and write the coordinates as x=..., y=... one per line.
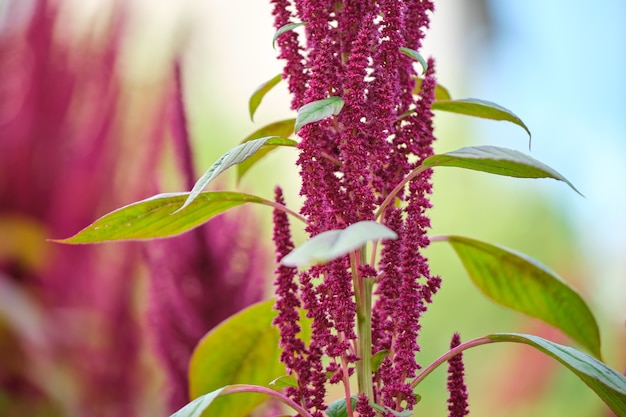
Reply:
x=441, y=92
x=196, y=407
x=283, y=128
x=411, y=53
x=318, y=110
x=522, y=284
x=152, y=218
x=242, y=349
x=378, y=358
x=284, y=381
x=259, y=93
x=479, y=108
x=338, y=408
x=233, y=157
x=609, y=384
x=496, y=160
x=284, y=29
x=333, y=244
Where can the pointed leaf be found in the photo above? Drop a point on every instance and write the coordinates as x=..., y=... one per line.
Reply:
x=259, y=93
x=479, y=108
x=411, y=53
x=378, y=358
x=233, y=157
x=196, y=407
x=338, y=408
x=283, y=128
x=318, y=110
x=522, y=284
x=152, y=218
x=441, y=92
x=284, y=381
x=496, y=160
x=242, y=349
x=284, y=29
x=609, y=384
x=333, y=244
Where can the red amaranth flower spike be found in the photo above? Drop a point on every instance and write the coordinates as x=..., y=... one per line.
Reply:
x=457, y=401
x=287, y=301
x=290, y=51
x=348, y=165
x=199, y=278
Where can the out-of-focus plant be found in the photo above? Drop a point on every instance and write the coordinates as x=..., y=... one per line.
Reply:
x=72, y=337
x=349, y=300
x=60, y=140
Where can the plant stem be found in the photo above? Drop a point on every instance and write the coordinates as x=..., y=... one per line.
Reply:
x=392, y=195
x=233, y=389
x=363, y=296
x=287, y=210
x=449, y=354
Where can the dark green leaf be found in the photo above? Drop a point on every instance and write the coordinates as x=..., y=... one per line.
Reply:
x=479, y=108
x=284, y=29
x=496, y=160
x=233, y=157
x=196, y=407
x=339, y=409
x=609, y=384
x=333, y=244
x=441, y=92
x=242, y=349
x=259, y=93
x=318, y=110
x=284, y=382
x=522, y=284
x=283, y=129
x=411, y=53
x=152, y=218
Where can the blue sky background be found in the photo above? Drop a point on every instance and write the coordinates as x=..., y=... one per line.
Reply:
x=563, y=67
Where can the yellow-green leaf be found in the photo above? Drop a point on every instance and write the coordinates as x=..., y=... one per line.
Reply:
x=283, y=128
x=607, y=383
x=152, y=218
x=259, y=93
x=479, y=108
x=522, y=284
x=441, y=92
x=496, y=160
x=241, y=350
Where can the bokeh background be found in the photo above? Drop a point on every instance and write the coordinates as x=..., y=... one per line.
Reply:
x=89, y=121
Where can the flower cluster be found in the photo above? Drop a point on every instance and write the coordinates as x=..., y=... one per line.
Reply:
x=457, y=402
x=349, y=165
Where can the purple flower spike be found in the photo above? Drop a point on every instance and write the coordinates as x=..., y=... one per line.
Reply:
x=457, y=402
x=348, y=165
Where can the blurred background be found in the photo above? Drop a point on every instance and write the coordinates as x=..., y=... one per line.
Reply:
x=90, y=120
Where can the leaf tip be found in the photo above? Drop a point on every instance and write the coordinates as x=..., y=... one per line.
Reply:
x=65, y=241
x=411, y=53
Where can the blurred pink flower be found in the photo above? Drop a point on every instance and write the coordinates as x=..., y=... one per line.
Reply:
x=199, y=278
x=70, y=151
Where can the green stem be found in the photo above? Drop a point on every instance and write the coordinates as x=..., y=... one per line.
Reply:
x=363, y=296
